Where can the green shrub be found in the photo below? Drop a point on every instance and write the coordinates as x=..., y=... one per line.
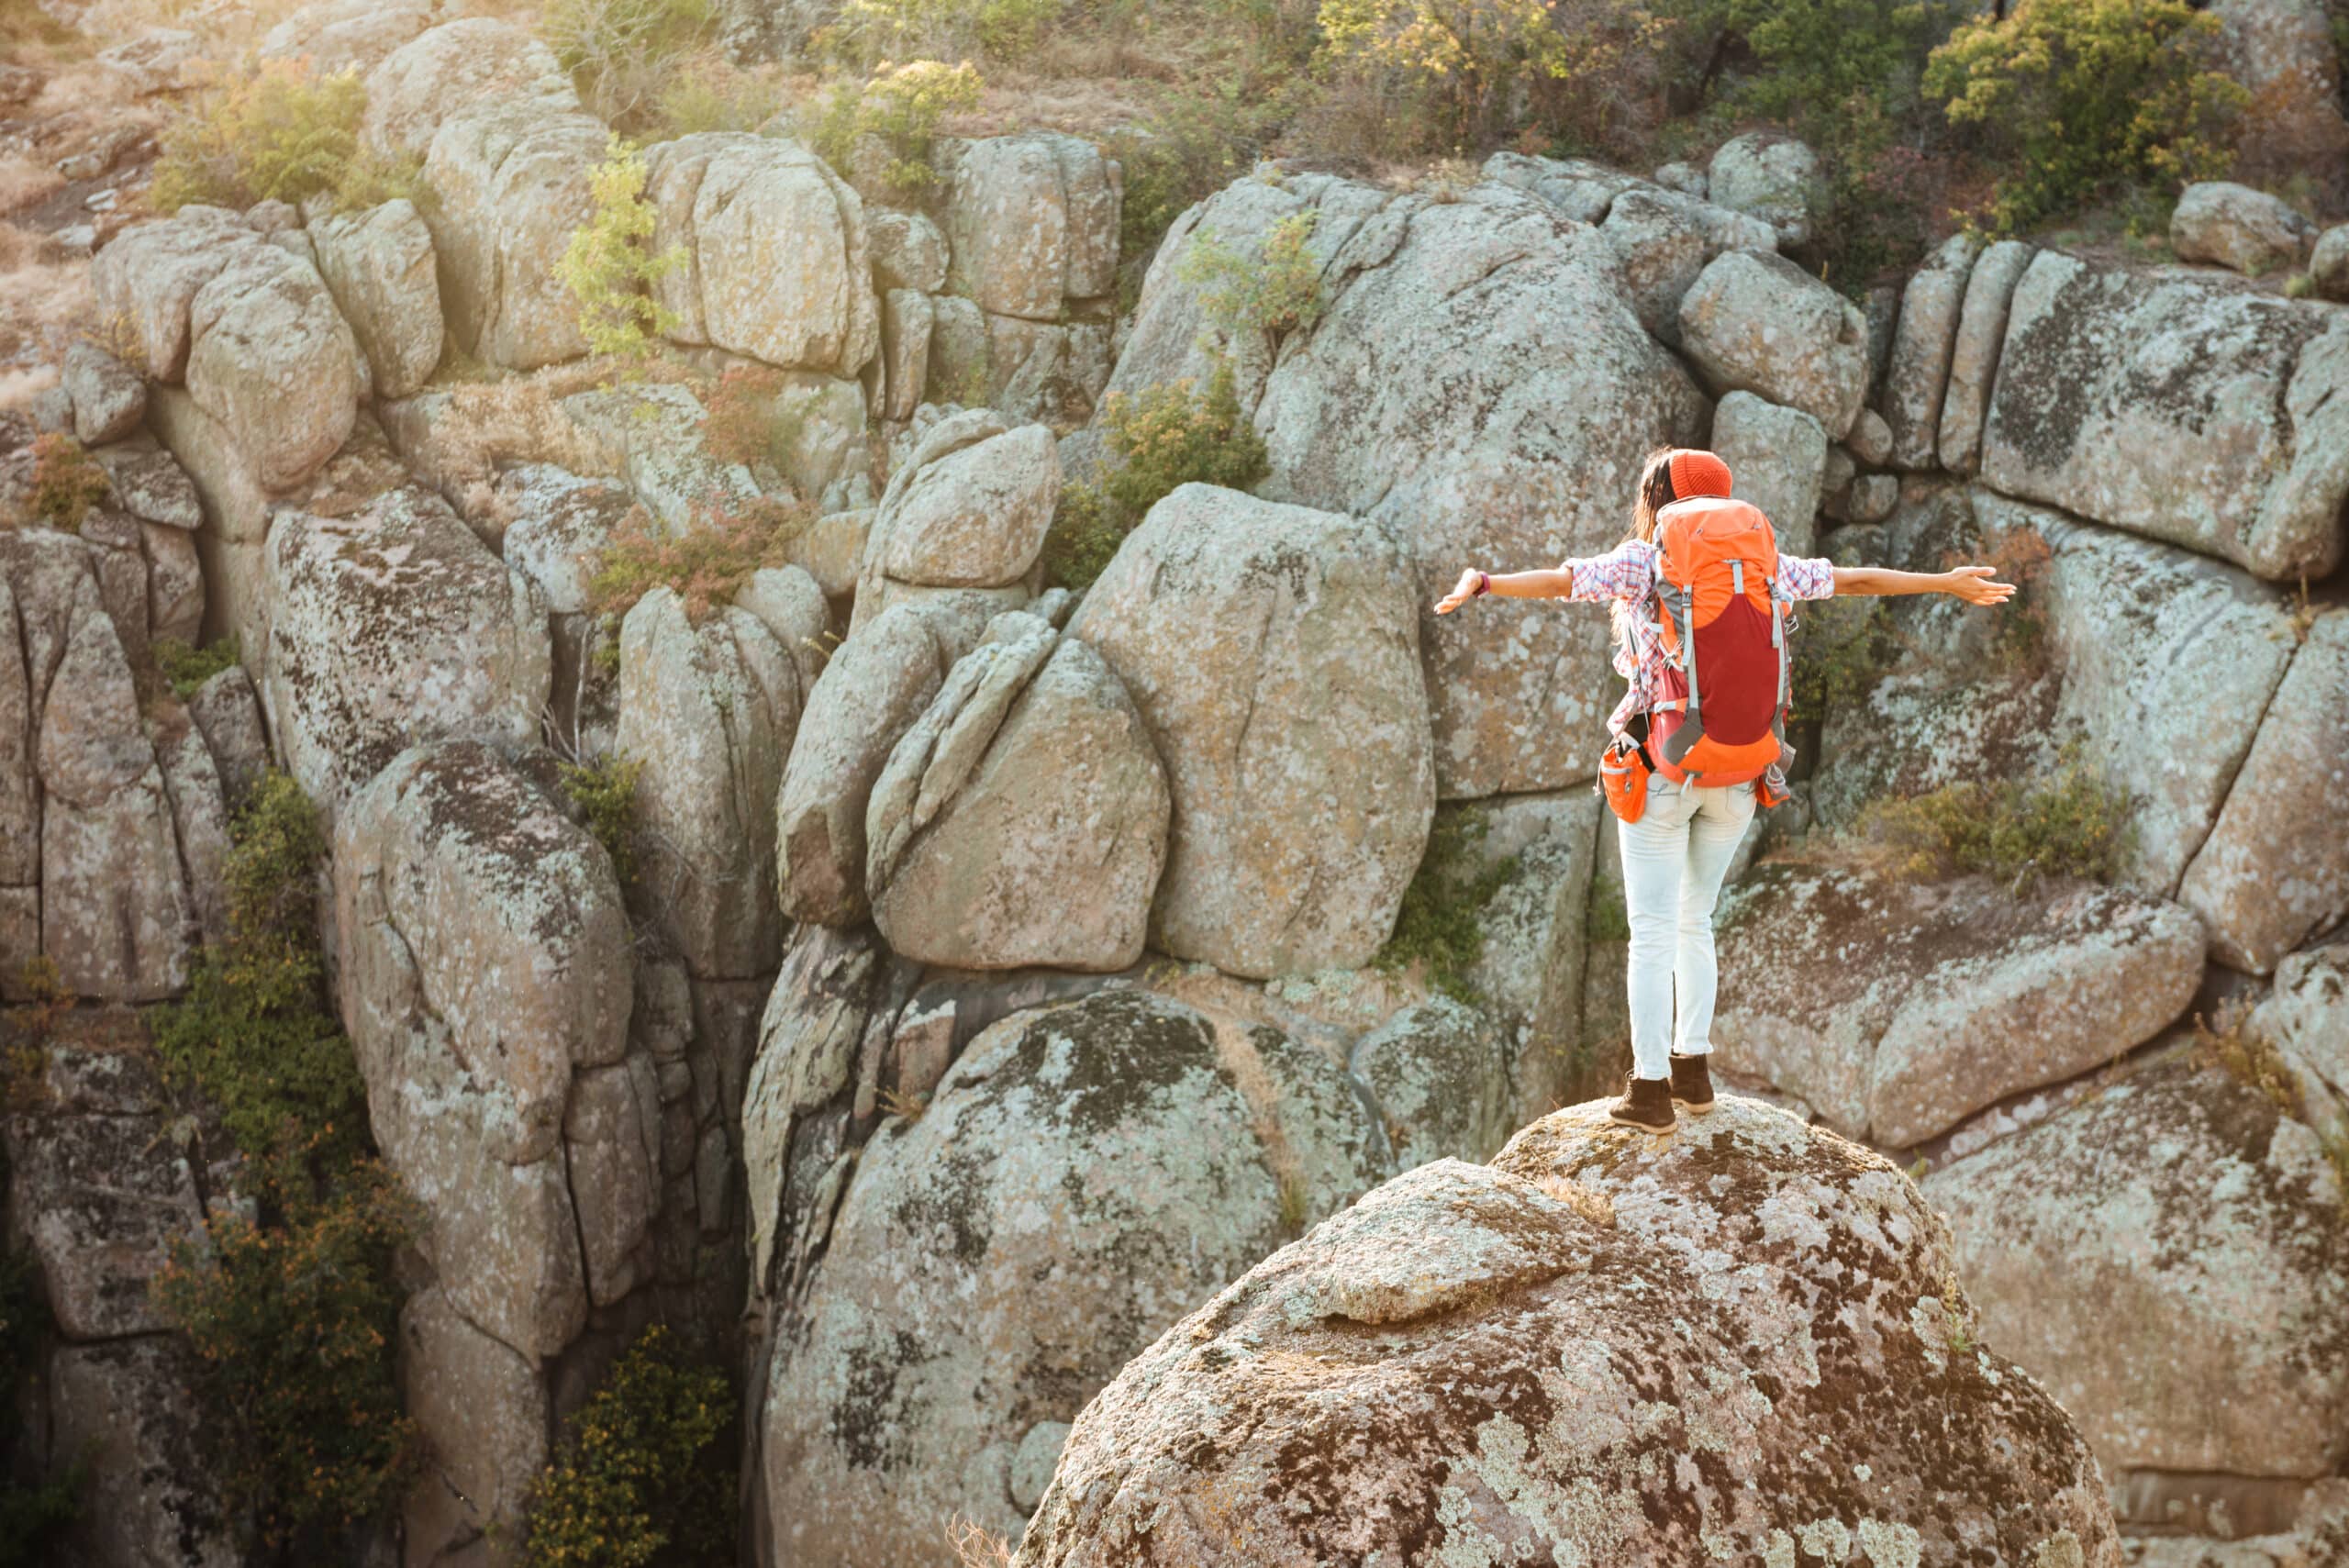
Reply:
x=707, y=564
x=1441, y=924
x=1276, y=291
x=2073, y=97
x=67, y=482
x=188, y=668
x=291, y=1326
x=2073, y=825
x=252, y=1032
x=276, y=134
x=1192, y=146
x=901, y=106
x=1840, y=649
x=609, y=266
x=1843, y=72
x=643, y=1480
x=1879, y=222
x=623, y=54
x=1166, y=436
x=717, y=97
x=605, y=793
x=870, y=33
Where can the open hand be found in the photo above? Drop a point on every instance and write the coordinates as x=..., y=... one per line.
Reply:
x=1977, y=585
x=1461, y=593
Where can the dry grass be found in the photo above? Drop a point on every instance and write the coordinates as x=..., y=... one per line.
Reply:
x=24, y=182
x=975, y=1546
x=48, y=293
x=19, y=387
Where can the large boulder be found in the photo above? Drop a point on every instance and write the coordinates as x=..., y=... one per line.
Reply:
x=2283, y=53
x=1453, y=389
x=2179, y=405
x=1271, y=650
x=510, y=184
x=380, y=266
x=452, y=68
x=332, y=35
x=1031, y=222
x=1440, y=1072
x=1760, y=324
x=2305, y=1020
x=1588, y=1351
x=390, y=627
x=1775, y=178
x=1777, y=460
x=984, y=1273
x=708, y=713
x=2276, y=866
x=1918, y=372
x=872, y=689
x=776, y=262
x=109, y=397
x=967, y=509
x=1974, y=355
x=561, y=524
x=123, y=1415
x=1896, y=1010
x=2236, y=227
x=1023, y=818
x=2168, y=1256
x=250, y=327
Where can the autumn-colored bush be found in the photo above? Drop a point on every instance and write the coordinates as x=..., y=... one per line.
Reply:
x=66, y=482
x=707, y=564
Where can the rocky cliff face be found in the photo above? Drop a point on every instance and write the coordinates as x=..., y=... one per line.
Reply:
x=992, y=1038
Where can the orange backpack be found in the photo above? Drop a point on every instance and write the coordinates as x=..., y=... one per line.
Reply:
x=1721, y=717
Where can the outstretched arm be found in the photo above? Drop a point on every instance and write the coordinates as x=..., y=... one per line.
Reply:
x=1508, y=586
x=1975, y=585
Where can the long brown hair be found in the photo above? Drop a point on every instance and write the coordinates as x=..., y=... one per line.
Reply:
x=1654, y=493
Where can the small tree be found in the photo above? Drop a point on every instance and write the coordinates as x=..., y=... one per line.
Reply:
x=901, y=106
x=609, y=266
x=1278, y=290
x=2074, y=97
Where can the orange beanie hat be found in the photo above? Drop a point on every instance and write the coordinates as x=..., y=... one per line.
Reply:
x=1697, y=473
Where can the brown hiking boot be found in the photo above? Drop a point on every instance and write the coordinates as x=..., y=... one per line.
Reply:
x=1646, y=1104
x=1692, y=1083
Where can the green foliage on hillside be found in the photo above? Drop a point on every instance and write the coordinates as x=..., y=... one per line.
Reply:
x=292, y=1311
x=277, y=133
x=1163, y=438
x=1441, y=927
x=900, y=108
x=642, y=1480
x=609, y=265
x=2070, y=99
x=2073, y=824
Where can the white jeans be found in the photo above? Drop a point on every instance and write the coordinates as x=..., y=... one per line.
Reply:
x=1673, y=858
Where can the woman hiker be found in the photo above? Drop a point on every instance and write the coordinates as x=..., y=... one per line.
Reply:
x=1701, y=598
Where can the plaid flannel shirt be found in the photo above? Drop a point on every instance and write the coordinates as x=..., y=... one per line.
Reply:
x=1627, y=573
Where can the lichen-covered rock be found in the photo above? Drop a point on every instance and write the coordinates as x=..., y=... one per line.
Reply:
x=1452, y=390
x=1918, y=372
x=226, y=710
x=776, y=260
x=970, y=508
x=561, y=524
x=2179, y=405
x=486, y=1407
x=122, y=1411
x=1896, y=1010
x=2237, y=226
x=2275, y=865
x=1440, y=1074
x=483, y=961
x=2306, y=1019
x=109, y=398
x=174, y=584
x=1023, y=818
x=2329, y=263
x=907, y=320
x=454, y=68
x=149, y=275
x=2282, y=52
x=509, y=182
x=985, y=1273
x=1592, y=1352
x=1662, y=250
x=1530, y=974
x=1775, y=178
x=98, y=1191
x=872, y=688
x=1777, y=460
x=153, y=487
x=1031, y=220
x=654, y=437
x=331, y=36
x=381, y=267
x=1760, y=324
x=2168, y=1256
x=908, y=251
x=391, y=627
x=1271, y=651
x=709, y=712
x=1974, y=355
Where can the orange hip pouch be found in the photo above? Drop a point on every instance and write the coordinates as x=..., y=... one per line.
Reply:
x=1623, y=778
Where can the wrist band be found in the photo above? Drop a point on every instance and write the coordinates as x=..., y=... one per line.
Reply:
x=1484, y=584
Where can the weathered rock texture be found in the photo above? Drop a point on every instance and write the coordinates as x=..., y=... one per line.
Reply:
x=1082, y=1176
x=1033, y=222
x=2177, y=405
x=1918, y=373
x=1271, y=650
x=1472, y=1366
x=1758, y=323
x=2169, y=1257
